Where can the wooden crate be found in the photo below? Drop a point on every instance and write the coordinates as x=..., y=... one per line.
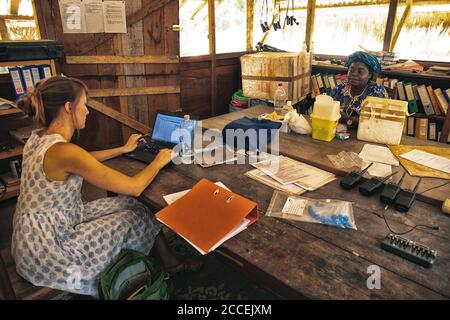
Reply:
x=263, y=71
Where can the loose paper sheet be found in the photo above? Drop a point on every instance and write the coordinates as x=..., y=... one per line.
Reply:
x=294, y=206
x=94, y=16
x=72, y=16
x=380, y=154
x=284, y=170
x=428, y=159
x=377, y=169
x=114, y=17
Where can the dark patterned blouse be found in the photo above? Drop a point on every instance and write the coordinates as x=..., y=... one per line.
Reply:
x=351, y=105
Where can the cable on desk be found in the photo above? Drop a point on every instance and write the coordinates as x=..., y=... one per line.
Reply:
x=405, y=232
x=444, y=184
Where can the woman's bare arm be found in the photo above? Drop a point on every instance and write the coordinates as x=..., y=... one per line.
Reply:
x=63, y=159
x=104, y=155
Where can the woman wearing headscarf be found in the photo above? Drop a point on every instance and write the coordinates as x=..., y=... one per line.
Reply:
x=363, y=70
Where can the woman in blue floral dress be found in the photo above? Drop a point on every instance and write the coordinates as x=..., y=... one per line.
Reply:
x=363, y=70
x=58, y=239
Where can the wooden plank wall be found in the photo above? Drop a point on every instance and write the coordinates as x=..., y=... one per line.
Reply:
x=196, y=85
x=149, y=36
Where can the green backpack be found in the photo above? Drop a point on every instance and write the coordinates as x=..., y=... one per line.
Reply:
x=133, y=276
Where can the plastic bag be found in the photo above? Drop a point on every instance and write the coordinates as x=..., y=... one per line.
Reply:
x=331, y=212
x=297, y=122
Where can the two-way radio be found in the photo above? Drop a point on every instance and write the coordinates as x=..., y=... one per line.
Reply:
x=350, y=180
x=373, y=185
x=406, y=198
x=391, y=191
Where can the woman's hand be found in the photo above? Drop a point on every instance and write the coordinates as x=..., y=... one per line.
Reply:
x=132, y=143
x=164, y=157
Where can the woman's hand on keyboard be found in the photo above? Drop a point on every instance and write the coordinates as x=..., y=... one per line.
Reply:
x=132, y=143
x=164, y=157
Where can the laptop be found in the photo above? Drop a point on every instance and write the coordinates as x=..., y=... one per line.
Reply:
x=165, y=124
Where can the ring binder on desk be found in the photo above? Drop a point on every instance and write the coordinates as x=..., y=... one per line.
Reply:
x=209, y=215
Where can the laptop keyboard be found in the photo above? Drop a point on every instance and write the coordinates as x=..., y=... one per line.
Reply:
x=151, y=148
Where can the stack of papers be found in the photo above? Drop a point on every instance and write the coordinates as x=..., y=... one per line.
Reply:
x=288, y=175
x=6, y=104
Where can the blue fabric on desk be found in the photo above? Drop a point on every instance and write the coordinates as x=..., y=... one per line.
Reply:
x=255, y=124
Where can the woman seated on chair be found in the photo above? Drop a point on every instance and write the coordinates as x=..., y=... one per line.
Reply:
x=57, y=237
x=363, y=70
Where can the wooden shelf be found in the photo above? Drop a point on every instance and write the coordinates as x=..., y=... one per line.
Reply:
x=17, y=151
x=9, y=111
x=9, y=195
x=396, y=73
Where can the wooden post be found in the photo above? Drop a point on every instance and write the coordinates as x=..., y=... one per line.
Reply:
x=310, y=13
x=14, y=9
x=122, y=82
x=409, y=4
x=390, y=24
x=250, y=21
x=212, y=52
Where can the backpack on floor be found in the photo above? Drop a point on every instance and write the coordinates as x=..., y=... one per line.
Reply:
x=133, y=276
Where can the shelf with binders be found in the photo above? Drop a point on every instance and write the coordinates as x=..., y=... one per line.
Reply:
x=424, y=99
x=13, y=118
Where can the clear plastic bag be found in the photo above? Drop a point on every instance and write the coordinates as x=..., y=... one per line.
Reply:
x=331, y=212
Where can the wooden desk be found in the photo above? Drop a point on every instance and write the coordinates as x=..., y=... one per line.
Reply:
x=304, y=260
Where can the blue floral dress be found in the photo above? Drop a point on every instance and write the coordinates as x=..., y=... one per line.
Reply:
x=59, y=241
x=351, y=105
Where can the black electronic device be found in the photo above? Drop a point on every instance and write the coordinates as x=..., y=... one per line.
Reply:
x=410, y=250
x=372, y=185
x=352, y=179
x=391, y=191
x=406, y=198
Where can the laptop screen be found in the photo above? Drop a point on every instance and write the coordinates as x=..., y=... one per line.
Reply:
x=166, y=124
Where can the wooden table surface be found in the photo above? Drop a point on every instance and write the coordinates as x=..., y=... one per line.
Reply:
x=305, y=260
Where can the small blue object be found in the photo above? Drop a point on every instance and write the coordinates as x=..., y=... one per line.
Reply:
x=337, y=220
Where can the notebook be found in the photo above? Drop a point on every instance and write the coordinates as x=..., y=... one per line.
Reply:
x=166, y=123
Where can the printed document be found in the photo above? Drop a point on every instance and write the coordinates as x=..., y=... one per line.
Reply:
x=428, y=160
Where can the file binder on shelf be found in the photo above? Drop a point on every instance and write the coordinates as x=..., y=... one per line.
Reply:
x=208, y=215
x=426, y=102
x=17, y=81
x=45, y=71
x=412, y=103
x=35, y=74
x=27, y=78
x=434, y=102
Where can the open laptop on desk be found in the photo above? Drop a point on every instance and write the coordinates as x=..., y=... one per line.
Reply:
x=165, y=124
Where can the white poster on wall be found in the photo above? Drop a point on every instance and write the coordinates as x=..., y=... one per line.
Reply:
x=114, y=17
x=72, y=16
x=94, y=16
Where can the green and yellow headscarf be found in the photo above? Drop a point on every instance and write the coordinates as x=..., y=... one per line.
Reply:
x=368, y=59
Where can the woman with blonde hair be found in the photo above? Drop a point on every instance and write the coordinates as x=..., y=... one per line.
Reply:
x=55, y=234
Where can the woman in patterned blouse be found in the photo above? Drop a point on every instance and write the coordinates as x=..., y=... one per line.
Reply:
x=363, y=69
